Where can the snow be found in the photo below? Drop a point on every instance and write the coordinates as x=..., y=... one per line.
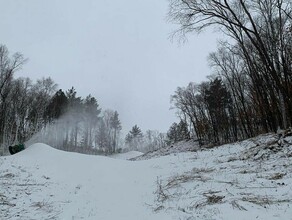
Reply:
x=220, y=184
x=182, y=146
x=127, y=155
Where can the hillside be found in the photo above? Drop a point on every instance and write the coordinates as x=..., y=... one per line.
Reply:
x=247, y=180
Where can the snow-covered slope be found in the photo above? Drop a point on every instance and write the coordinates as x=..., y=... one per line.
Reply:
x=127, y=156
x=43, y=183
x=182, y=146
x=221, y=183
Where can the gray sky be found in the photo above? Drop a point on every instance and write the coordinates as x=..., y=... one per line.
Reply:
x=117, y=51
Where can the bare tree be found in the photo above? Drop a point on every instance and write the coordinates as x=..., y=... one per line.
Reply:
x=262, y=29
x=8, y=66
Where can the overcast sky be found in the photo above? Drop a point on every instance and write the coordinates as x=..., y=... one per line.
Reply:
x=117, y=51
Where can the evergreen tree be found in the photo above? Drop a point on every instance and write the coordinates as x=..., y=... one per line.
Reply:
x=172, y=134
x=91, y=117
x=218, y=101
x=178, y=132
x=102, y=138
x=57, y=106
x=136, y=132
x=73, y=118
x=116, y=125
x=183, y=131
x=134, y=138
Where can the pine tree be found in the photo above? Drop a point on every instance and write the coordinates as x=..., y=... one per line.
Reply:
x=134, y=138
x=116, y=125
x=178, y=132
x=91, y=117
x=75, y=106
x=172, y=134
x=102, y=138
x=218, y=100
x=57, y=106
x=183, y=131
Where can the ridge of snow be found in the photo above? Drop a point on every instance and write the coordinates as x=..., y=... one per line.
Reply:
x=127, y=155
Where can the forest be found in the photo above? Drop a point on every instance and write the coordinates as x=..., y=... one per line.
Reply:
x=250, y=89
x=38, y=111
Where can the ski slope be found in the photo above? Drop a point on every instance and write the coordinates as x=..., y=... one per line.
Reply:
x=221, y=183
x=49, y=183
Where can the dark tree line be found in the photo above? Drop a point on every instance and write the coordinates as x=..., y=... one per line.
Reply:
x=38, y=112
x=251, y=89
x=178, y=132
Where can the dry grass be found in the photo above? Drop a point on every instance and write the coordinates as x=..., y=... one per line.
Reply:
x=43, y=205
x=211, y=199
x=231, y=159
x=160, y=192
x=264, y=200
x=7, y=176
x=236, y=205
x=5, y=203
x=214, y=199
x=277, y=176
x=184, y=178
x=203, y=170
x=247, y=171
x=39, y=205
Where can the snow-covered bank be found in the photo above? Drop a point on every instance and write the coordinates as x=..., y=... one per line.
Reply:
x=247, y=180
x=127, y=156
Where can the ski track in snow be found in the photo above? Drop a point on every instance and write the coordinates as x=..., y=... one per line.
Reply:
x=218, y=184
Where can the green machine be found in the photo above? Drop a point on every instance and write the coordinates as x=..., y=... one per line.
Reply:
x=16, y=148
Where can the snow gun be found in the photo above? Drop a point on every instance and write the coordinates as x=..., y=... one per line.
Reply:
x=16, y=148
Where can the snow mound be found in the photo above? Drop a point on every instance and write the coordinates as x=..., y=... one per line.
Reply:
x=127, y=155
x=37, y=148
x=45, y=183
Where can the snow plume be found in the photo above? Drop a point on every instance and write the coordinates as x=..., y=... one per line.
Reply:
x=82, y=129
x=70, y=132
x=51, y=134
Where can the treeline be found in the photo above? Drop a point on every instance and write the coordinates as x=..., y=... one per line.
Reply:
x=152, y=140
x=39, y=112
x=75, y=124
x=250, y=91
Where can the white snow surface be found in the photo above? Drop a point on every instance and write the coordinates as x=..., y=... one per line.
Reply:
x=127, y=155
x=216, y=184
